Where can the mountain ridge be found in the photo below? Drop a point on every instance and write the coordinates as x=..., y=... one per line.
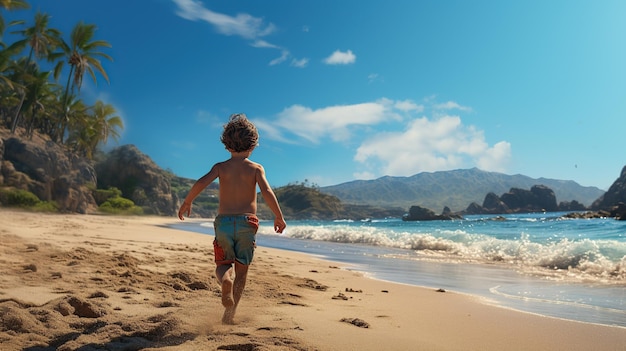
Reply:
x=456, y=189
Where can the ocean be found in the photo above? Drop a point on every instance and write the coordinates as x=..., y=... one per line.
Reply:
x=538, y=263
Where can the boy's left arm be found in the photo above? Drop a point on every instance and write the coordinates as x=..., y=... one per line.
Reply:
x=271, y=201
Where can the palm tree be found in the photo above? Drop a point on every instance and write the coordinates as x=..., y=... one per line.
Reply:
x=6, y=92
x=5, y=55
x=46, y=118
x=81, y=134
x=83, y=57
x=5, y=65
x=9, y=73
x=11, y=5
x=42, y=41
x=106, y=123
x=88, y=130
x=71, y=109
x=40, y=92
x=14, y=4
x=8, y=83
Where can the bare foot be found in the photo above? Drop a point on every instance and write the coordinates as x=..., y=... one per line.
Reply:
x=229, y=315
x=228, y=300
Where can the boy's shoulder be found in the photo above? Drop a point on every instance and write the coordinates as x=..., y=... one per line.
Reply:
x=238, y=162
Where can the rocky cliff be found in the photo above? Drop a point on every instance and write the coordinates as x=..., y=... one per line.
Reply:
x=139, y=179
x=55, y=174
x=615, y=194
x=48, y=171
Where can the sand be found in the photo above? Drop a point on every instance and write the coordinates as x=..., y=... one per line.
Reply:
x=95, y=282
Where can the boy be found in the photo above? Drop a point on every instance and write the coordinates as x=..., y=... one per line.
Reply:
x=236, y=223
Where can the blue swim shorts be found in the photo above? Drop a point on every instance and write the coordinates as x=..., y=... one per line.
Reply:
x=235, y=238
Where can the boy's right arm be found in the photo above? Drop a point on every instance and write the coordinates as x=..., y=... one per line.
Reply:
x=196, y=189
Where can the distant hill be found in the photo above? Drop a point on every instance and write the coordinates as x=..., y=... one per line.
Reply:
x=300, y=201
x=455, y=189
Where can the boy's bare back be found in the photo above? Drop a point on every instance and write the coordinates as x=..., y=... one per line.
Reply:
x=238, y=179
x=238, y=176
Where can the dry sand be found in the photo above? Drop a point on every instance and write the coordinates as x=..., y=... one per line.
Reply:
x=89, y=282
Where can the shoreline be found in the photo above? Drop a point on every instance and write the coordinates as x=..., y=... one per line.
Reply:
x=161, y=294
x=500, y=285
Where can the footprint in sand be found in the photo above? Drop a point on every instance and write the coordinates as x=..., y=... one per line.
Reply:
x=239, y=347
x=98, y=294
x=30, y=267
x=356, y=321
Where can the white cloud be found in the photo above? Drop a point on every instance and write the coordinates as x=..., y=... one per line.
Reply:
x=372, y=77
x=408, y=106
x=340, y=58
x=300, y=63
x=333, y=121
x=430, y=145
x=263, y=44
x=451, y=105
x=270, y=131
x=392, y=139
x=495, y=158
x=364, y=175
x=283, y=56
x=242, y=25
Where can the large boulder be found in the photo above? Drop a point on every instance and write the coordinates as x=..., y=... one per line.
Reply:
x=544, y=198
x=538, y=198
x=517, y=198
x=418, y=213
x=493, y=204
x=571, y=206
x=139, y=179
x=475, y=208
x=619, y=211
x=48, y=171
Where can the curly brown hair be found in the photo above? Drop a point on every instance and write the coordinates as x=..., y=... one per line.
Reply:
x=240, y=134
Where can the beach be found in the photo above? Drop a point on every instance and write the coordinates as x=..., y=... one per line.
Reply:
x=94, y=282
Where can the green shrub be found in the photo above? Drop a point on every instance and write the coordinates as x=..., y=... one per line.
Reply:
x=25, y=199
x=120, y=205
x=102, y=195
x=46, y=206
x=18, y=198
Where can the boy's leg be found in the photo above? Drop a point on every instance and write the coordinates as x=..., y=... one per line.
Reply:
x=243, y=246
x=241, y=275
x=224, y=275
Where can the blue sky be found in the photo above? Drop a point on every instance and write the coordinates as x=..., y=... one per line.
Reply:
x=344, y=90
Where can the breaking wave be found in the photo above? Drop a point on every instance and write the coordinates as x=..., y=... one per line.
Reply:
x=551, y=247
